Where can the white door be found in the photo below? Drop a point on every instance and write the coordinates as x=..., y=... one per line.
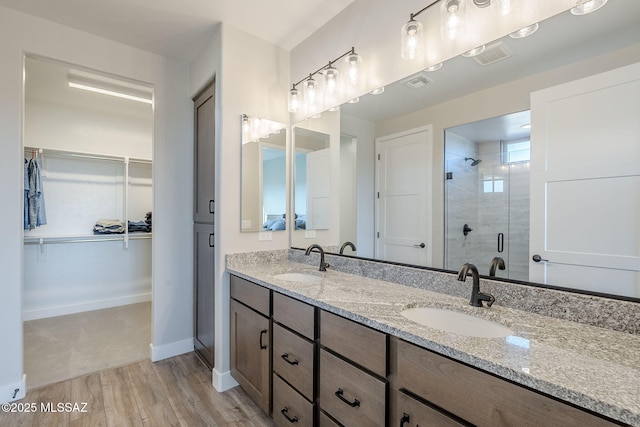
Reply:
x=318, y=189
x=585, y=183
x=404, y=181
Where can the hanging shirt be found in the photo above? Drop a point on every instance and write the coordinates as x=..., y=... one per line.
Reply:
x=37, y=212
x=26, y=195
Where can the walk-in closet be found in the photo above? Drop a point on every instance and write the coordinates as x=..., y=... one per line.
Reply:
x=88, y=221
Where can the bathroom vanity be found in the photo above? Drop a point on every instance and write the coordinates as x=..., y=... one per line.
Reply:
x=342, y=354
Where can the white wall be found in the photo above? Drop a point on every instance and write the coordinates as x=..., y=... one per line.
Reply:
x=173, y=156
x=252, y=77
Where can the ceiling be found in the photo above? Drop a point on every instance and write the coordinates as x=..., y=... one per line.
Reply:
x=180, y=29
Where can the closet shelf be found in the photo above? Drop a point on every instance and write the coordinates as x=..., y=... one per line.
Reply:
x=89, y=238
x=89, y=156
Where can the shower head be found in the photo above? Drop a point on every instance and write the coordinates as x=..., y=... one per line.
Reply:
x=474, y=162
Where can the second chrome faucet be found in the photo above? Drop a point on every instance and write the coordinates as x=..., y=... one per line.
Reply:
x=476, y=296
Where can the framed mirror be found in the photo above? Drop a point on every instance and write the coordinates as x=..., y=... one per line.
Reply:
x=263, y=180
x=465, y=90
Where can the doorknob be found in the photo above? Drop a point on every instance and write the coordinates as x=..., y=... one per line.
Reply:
x=421, y=245
x=538, y=258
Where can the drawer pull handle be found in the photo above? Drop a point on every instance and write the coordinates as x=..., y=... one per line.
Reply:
x=286, y=359
x=262, y=333
x=340, y=396
x=405, y=419
x=285, y=411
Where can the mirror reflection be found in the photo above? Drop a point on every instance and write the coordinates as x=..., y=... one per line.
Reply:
x=487, y=195
x=464, y=91
x=264, y=196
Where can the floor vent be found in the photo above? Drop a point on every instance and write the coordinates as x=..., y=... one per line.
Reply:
x=417, y=81
x=493, y=53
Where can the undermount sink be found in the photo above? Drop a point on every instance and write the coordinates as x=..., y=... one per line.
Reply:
x=298, y=277
x=456, y=322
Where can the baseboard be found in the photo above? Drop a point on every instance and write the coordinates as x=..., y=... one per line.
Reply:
x=43, y=313
x=13, y=391
x=222, y=381
x=175, y=348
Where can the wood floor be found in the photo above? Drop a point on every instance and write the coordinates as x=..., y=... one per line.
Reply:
x=172, y=392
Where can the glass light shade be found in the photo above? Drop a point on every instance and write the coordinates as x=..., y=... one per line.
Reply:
x=294, y=100
x=587, y=6
x=504, y=7
x=434, y=67
x=411, y=43
x=524, y=32
x=330, y=75
x=312, y=96
x=354, y=100
x=452, y=16
x=377, y=91
x=353, y=61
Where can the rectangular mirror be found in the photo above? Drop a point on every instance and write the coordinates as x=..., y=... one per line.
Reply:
x=566, y=48
x=263, y=180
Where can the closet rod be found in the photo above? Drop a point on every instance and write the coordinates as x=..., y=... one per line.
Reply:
x=76, y=154
x=55, y=240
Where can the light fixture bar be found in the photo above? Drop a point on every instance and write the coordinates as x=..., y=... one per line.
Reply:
x=321, y=69
x=86, y=87
x=413, y=15
x=294, y=94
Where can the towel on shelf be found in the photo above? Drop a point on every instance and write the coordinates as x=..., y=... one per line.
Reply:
x=108, y=226
x=139, y=226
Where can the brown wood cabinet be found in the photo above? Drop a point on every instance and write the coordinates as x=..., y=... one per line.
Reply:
x=478, y=397
x=358, y=343
x=250, y=335
x=343, y=373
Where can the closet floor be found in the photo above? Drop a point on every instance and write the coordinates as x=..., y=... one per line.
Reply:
x=64, y=347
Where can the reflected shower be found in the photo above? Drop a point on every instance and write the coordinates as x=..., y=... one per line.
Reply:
x=474, y=162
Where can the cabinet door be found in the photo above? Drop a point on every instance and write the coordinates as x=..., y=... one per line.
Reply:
x=250, y=353
x=408, y=412
x=204, y=152
x=203, y=292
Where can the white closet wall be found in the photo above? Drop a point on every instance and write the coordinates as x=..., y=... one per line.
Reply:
x=63, y=278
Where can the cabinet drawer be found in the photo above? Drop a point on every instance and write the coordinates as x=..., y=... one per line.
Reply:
x=289, y=407
x=325, y=421
x=363, y=345
x=481, y=398
x=255, y=296
x=294, y=314
x=293, y=359
x=406, y=411
x=350, y=395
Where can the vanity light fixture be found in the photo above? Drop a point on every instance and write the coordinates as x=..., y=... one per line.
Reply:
x=311, y=97
x=434, y=67
x=474, y=52
x=453, y=23
x=377, y=91
x=524, y=32
x=330, y=75
x=411, y=36
x=584, y=7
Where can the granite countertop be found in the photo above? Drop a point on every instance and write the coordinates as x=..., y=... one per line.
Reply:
x=594, y=368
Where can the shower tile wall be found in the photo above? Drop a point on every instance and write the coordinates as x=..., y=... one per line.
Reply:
x=461, y=202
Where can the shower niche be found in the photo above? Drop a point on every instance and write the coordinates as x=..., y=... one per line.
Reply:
x=487, y=194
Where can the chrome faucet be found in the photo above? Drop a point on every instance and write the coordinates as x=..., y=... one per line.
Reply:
x=344, y=246
x=476, y=296
x=496, y=262
x=323, y=265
